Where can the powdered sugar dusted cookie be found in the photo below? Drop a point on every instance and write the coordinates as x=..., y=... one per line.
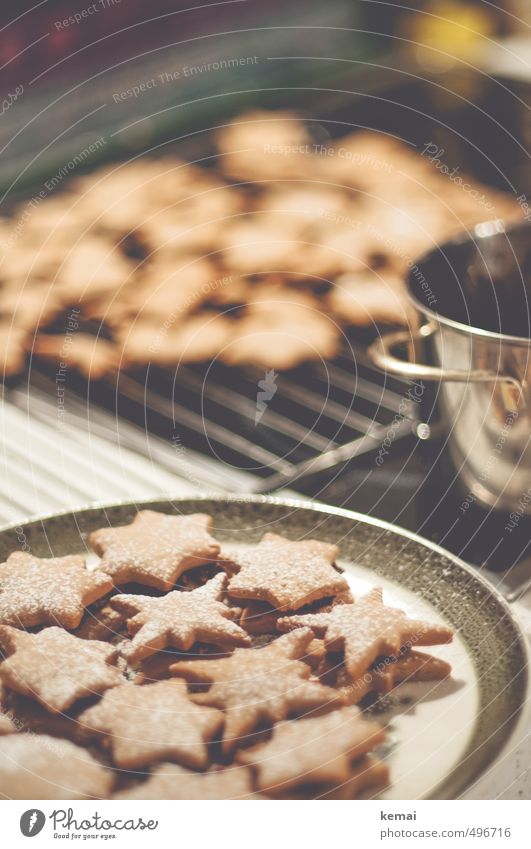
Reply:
x=259, y=617
x=367, y=630
x=52, y=591
x=320, y=750
x=12, y=350
x=180, y=619
x=412, y=666
x=55, y=667
x=169, y=781
x=155, y=549
x=282, y=337
x=155, y=722
x=261, y=685
x=259, y=245
x=36, y=766
x=102, y=622
x=92, y=266
x=191, y=339
x=387, y=673
x=287, y=574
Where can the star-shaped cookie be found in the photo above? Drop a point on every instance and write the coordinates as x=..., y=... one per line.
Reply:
x=155, y=549
x=285, y=574
x=179, y=619
x=411, y=667
x=28, y=715
x=37, y=766
x=153, y=722
x=169, y=781
x=259, y=685
x=367, y=630
x=7, y=726
x=258, y=617
x=368, y=774
x=55, y=667
x=102, y=622
x=54, y=591
x=320, y=750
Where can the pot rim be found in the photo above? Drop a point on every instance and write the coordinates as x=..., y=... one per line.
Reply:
x=482, y=230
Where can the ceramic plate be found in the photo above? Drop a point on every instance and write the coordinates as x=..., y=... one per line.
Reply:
x=441, y=736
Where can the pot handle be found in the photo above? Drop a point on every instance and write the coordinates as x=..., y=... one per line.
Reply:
x=381, y=354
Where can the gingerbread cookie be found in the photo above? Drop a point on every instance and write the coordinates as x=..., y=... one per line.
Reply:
x=29, y=715
x=196, y=339
x=258, y=617
x=93, y=356
x=261, y=685
x=145, y=246
x=410, y=667
x=367, y=630
x=261, y=145
x=173, y=232
x=320, y=750
x=138, y=341
x=102, y=622
x=173, y=290
x=28, y=308
x=369, y=298
x=34, y=766
x=6, y=723
x=282, y=339
x=305, y=203
x=12, y=350
x=179, y=620
x=94, y=265
x=155, y=549
x=7, y=726
x=55, y=667
x=260, y=245
x=368, y=777
x=154, y=722
x=54, y=591
x=169, y=781
x=157, y=667
x=386, y=674
x=286, y=574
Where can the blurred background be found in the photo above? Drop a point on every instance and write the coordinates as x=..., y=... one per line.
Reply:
x=93, y=85
x=70, y=58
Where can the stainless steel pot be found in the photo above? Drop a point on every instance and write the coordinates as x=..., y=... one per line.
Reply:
x=473, y=297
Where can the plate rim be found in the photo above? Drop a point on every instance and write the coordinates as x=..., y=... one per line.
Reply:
x=296, y=503
x=353, y=515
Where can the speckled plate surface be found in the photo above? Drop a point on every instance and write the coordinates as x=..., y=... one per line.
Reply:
x=443, y=736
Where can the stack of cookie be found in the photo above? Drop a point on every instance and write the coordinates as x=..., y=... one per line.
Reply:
x=266, y=257
x=144, y=677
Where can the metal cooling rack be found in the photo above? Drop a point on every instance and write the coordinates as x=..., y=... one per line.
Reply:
x=319, y=415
